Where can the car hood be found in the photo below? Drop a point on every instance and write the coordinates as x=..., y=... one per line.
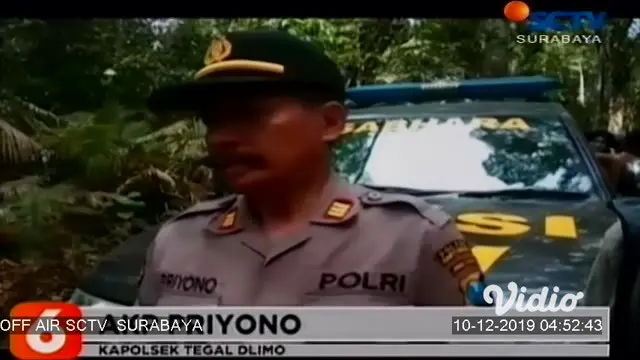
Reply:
x=534, y=243
x=115, y=279
x=529, y=242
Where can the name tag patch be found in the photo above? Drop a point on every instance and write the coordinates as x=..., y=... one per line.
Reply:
x=187, y=283
x=388, y=282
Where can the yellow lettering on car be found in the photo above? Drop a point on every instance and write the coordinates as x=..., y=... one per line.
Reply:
x=495, y=224
x=488, y=255
x=348, y=128
x=395, y=125
x=354, y=127
x=505, y=226
x=561, y=227
x=370, y=126
x=515, y=124
x=487, y=123
x=511, y=124
x=398, y=125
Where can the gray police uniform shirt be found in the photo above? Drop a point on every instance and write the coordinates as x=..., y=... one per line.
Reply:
x=362, y=248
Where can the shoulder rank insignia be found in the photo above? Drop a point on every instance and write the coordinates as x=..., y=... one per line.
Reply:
x=228, y=221
x=338, y=209
x=219, y=50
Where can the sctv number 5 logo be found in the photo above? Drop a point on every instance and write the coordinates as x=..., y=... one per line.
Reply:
x=539, y=21
x=567, y=20
x=31, y=341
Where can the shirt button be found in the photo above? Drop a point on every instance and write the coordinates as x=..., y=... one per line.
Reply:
x=374, y=196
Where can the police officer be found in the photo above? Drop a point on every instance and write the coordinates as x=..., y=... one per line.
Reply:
x=295, y=233
x=602, y=141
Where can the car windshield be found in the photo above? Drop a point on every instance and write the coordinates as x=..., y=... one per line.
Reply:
x=462, y=154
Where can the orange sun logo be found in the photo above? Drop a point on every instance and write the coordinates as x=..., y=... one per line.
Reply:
x=517, y=11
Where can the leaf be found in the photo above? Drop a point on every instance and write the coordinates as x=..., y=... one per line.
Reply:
x=16, y=188
x=124, y=216
x=15, y=146
x=133, y=194
x=123, y=200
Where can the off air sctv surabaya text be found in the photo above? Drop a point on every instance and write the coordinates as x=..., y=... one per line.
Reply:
x=171, y=324
x=51, y=325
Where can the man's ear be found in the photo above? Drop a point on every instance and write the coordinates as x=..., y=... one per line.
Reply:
x=334, y=116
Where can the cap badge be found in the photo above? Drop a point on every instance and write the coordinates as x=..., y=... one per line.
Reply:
x=219, y=50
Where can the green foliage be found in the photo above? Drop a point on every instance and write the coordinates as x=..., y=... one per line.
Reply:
x=351, y=153
x=92, y=149
x=106, y=167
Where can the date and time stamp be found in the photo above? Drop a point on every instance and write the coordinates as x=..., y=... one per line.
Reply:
x=523, y=325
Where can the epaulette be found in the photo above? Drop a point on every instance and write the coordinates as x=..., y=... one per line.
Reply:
x=428, y=211
x=208, y=206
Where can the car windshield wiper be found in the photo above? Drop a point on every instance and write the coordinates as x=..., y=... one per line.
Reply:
x=410, y=191
x=527, y=193
x=521, y=193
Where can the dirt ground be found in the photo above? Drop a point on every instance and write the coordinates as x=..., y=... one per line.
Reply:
x=31, y=282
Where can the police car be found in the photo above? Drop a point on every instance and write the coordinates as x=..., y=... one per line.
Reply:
x=512, y=167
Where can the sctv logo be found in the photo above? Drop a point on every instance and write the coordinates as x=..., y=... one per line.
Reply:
x=45, y=331
x=544, y=301
x=540, y=21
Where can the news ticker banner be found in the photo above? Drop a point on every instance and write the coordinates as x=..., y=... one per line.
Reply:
x=310, y=324
x=209, y=350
